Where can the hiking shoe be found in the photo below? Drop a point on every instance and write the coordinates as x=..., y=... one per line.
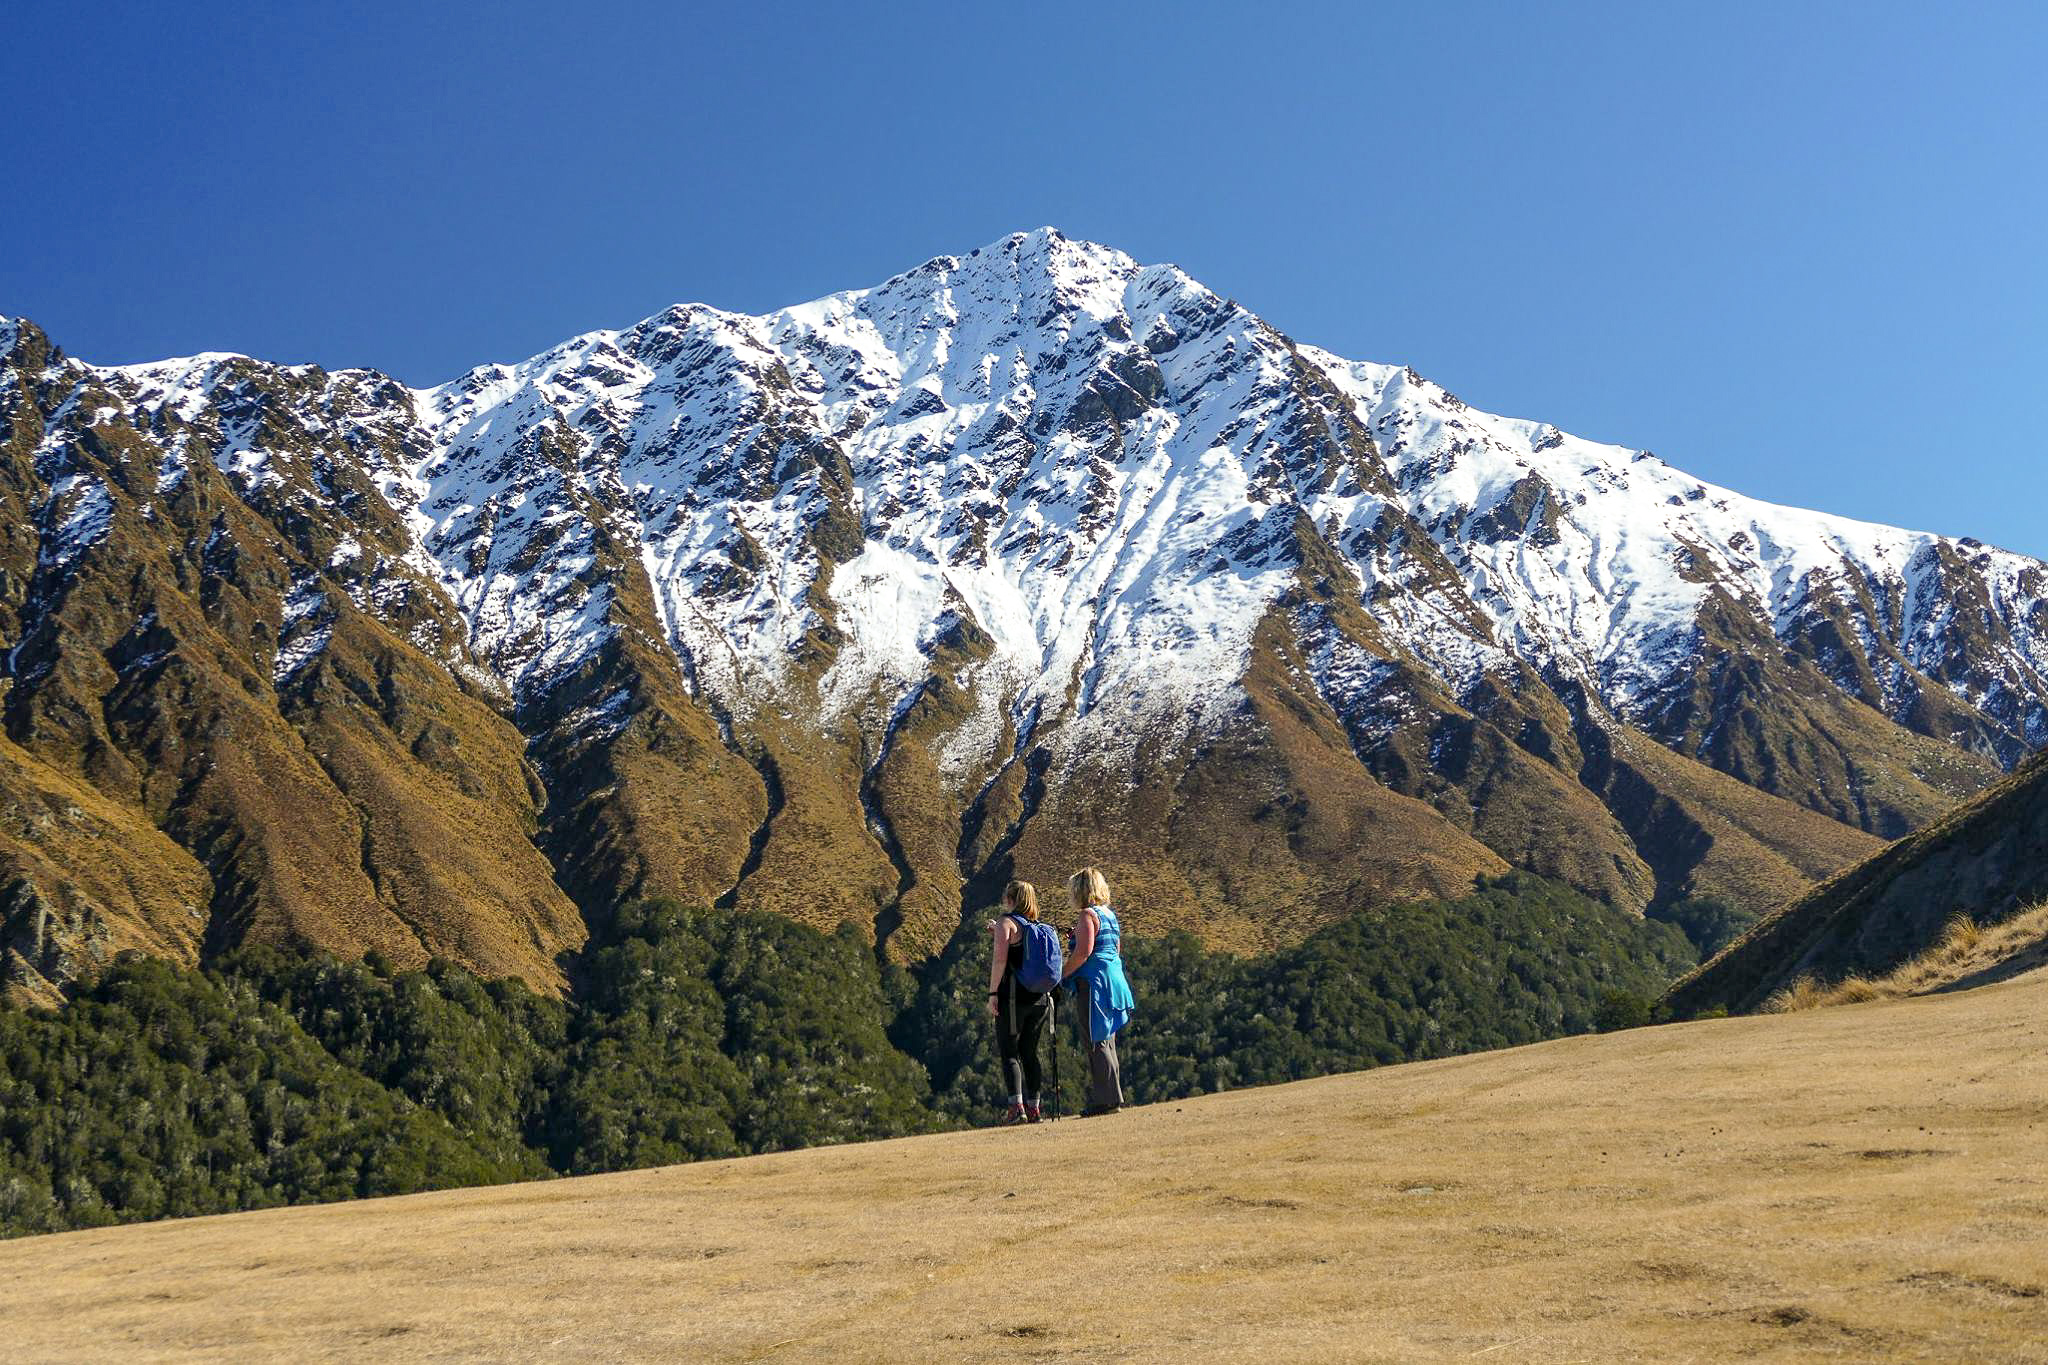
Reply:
x=1095, y=1110
x=1013, y=1115
x=1032, y=1114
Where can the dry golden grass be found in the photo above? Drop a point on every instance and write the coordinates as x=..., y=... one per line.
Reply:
x=1843, y=1184
x=94, y=859
x=1965, y=950
x=1762, y=850
x=1257, y=836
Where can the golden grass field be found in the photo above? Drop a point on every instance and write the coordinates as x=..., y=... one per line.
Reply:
x=1861, y=1183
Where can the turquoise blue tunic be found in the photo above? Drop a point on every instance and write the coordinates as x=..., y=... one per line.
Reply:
x=1109, y=999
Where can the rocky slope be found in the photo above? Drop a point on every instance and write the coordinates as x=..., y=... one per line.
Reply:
x=1022, y=559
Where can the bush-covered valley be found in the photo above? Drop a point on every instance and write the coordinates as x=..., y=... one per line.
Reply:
x=279, y=1078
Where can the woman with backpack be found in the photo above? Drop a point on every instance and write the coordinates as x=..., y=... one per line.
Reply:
x=1022, y=972
x=1104, y=991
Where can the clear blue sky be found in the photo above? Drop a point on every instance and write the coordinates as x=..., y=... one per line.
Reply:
x=1800, y=249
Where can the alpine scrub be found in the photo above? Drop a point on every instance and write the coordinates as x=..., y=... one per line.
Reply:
x=279, y=1077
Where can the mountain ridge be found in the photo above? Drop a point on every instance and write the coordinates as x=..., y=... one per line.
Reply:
x=1029, y=557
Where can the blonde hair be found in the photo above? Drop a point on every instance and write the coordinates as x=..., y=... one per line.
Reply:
x=1088, y=887
x=1021, y=897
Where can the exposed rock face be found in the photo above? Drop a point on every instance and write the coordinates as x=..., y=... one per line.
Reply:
x=1028, y=558
x=83, y=877
x=1987, y=859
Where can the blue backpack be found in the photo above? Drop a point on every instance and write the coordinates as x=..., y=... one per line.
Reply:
x=1044, y=963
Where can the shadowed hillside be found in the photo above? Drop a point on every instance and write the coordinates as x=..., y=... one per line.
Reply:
x=1968, y=956
x=1986, y=860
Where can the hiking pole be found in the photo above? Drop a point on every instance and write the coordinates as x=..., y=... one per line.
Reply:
x=1054, y=1030
x=1123, y=1065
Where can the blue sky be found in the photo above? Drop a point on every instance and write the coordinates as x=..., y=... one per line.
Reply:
x=1797, y=249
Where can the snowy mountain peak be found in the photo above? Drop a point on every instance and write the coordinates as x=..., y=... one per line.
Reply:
x=1113, y=476
x=1035, y=554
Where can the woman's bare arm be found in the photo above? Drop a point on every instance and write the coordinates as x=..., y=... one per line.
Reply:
x=999, y=957
x=1084, y=943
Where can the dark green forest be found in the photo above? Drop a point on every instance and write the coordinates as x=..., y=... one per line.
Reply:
x=275, y=1077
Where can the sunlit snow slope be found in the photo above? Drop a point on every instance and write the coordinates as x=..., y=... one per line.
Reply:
x=1085, y=457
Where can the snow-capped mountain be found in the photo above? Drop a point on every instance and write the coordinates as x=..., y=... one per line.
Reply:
x=1018, y=557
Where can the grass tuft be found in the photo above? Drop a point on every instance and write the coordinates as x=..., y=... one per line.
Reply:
x=1964, y=949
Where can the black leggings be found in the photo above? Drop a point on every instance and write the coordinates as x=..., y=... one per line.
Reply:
x=1020, y=1029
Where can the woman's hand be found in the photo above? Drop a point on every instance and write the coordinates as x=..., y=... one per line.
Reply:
x=997, y=959
x=994, y=1008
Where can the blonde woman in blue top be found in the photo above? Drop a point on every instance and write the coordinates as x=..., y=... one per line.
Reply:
x=1096, y=971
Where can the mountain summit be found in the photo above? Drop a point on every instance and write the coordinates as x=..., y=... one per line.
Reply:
x=1020, y=559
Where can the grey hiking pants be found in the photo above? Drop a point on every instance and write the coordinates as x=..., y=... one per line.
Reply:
x=1105, y=1080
